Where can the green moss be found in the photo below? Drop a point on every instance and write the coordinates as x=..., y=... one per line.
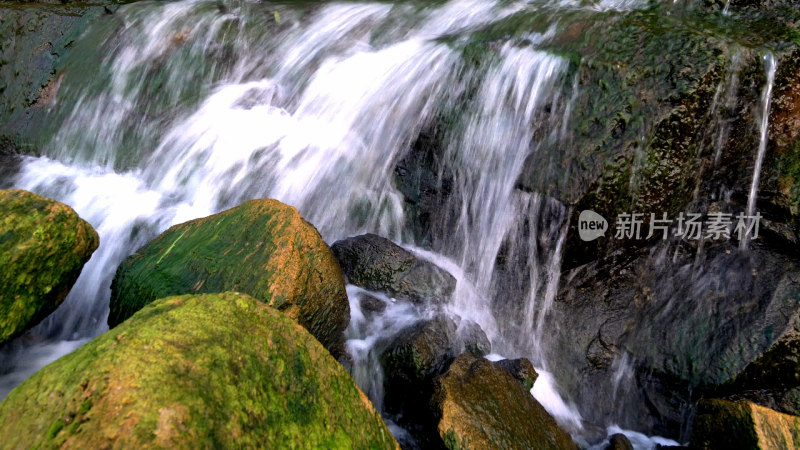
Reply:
x=262, y=248
x=213, y=370
x=43, y=247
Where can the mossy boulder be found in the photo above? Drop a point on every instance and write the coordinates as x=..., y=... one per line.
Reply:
x=480, y=405
x=743, y=425
x=263, y=248
x=195, y=371
x=378, y=264
x=43, y=247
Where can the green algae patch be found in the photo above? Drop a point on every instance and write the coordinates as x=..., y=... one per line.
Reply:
x=195, y=371
x=43, y=247
x=262, y=247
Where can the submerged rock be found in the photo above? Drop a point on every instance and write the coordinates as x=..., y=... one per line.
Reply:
x=193, y=371
x=479, y=405
x=262, y=248
x=43, y=247
x=743, y=425
x=378, y=264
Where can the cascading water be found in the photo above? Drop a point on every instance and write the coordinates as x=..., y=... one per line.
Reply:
x=196, y=106
x=763, y=128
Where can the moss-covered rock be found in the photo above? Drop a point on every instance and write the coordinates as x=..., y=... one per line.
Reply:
x=480, y=405
x=743, y=425
x=195, y=371
x=262, y=247
x=43, y=247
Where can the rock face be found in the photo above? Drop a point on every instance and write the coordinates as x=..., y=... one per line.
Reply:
x=43, y=247
x=720, y=327
x=34, y=39
x=480, y=405
x=262, y=248
x=743, y=425
x=192, y=371
x=378, y=264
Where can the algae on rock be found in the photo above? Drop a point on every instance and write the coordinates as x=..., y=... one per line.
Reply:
x=195, y=371
x=262, y=247
x=43, y=247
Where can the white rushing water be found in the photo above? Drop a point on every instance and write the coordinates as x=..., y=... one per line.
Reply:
x=316, y=111
x=770, y=66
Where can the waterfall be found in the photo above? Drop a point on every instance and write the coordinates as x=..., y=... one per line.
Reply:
x=763, y=126
x=194, y=106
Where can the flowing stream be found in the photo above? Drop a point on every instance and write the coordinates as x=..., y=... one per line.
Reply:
x=194, y=106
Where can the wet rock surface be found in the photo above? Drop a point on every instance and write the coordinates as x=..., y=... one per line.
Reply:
x=34, y=38
x=619, y=442
x=521, y=369
x=378, y=264
x=9, y=162
x=674, y=327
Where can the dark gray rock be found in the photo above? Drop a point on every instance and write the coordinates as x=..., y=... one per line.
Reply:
x=371, y=305
x=9, y=163
x=521, y=369
x=472, y=339
x=378, y=264
x=672, y=324
x=33, y=41
x=419, y=351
